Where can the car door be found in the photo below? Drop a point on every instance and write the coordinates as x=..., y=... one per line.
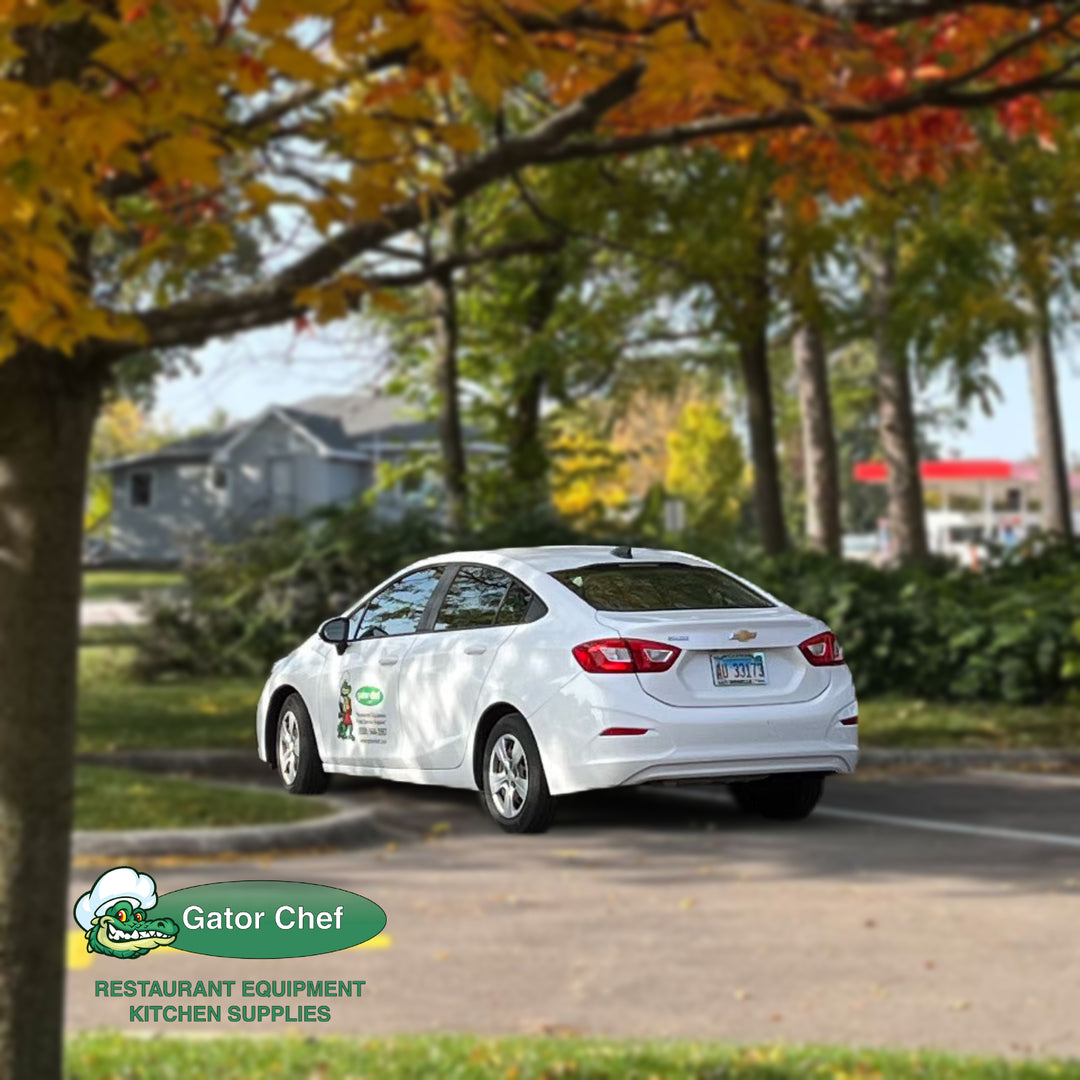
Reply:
x=362, y=714
x=443, y=674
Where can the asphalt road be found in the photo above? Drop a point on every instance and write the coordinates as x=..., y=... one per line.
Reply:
x=916, y=911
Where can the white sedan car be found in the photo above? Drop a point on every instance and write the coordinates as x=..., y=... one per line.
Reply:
x=530, y=673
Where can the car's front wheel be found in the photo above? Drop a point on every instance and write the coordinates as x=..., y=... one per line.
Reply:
x=784, y=797
x=515, y=788
x=298, y=761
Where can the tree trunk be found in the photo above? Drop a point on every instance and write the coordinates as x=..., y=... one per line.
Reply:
x=818, y=436
x=47, y=409
x=526, y=458
x=769, y=511
x=754, y=360
x=1053, y=465
x=454, y=465
x=907, y=523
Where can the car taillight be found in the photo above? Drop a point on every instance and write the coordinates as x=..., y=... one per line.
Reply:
x=611, y=656
x=822, y=650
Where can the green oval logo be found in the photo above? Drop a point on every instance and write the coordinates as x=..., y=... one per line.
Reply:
x=369, y=695
x=269, y=920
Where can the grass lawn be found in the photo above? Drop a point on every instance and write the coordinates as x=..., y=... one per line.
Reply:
x=911, y=723
x=107, y=584
x=118, y=713
x=97, y=1057
x=120, y=799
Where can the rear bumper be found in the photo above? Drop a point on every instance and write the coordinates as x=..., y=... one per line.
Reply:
x=688, y=743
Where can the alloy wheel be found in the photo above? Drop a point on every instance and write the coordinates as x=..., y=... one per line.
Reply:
x=508, y=776
x=288, y=746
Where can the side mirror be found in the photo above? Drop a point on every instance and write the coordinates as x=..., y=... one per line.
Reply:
x=336, y=632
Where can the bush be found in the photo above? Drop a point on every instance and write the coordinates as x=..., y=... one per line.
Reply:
x=1009, y=633
x=249, y=603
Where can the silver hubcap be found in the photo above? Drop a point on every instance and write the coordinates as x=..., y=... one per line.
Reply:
x=508, y=776
x=288, y=746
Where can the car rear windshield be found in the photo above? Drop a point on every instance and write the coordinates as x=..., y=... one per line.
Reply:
x=658, y=587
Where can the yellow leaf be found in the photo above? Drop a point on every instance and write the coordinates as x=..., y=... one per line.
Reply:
x=186, y=158
x=291, y=60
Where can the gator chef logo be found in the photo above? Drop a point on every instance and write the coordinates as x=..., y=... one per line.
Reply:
x=366, y=697
x=116, y=915
x=369, y=696
x=124, y=918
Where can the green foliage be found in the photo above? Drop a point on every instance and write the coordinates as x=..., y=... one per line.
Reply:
x=1011, y=633
x=253, y=602
x=105, y=1056
x=706, y=468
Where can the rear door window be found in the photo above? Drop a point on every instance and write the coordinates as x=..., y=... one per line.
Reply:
x=659, y=587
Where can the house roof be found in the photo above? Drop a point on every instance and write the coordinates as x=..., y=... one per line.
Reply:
x=338, y=426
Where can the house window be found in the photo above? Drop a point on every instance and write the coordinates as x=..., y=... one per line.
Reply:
x=221, y=479
x=142, y=488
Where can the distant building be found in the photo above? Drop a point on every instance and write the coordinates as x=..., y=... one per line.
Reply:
x=972, y=504
x=286, y=462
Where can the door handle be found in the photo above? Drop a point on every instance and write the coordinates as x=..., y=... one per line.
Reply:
x=475, y=650
x=386, y=661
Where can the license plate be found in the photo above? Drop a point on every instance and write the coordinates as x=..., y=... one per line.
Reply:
x=739, y=669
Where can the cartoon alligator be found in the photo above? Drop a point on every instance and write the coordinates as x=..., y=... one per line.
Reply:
x=345, y=717
x=114, y=914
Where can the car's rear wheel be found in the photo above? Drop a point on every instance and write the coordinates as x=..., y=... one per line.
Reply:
x=515, y=788
x=298, y=761
x=784, y=797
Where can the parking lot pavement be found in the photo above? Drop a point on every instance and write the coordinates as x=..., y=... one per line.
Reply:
x=916, y=911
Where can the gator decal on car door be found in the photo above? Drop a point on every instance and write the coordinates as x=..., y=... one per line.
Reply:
x=365, y=726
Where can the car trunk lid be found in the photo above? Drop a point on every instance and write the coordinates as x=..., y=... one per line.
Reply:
x=729, y=644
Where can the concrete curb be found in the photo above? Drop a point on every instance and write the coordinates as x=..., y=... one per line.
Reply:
x=350, y=826
x=873, y=757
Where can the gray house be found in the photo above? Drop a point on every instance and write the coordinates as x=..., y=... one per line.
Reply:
x=285, y=462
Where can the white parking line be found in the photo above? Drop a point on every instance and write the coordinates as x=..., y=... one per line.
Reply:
x=990, y=832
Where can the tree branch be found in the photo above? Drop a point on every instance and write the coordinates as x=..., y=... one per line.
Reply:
x=554, y=140
x=195, y=321
x=444, y=267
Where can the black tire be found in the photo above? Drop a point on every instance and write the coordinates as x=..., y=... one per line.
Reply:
x=534, y=813
x=784, y=797
x=308, y=776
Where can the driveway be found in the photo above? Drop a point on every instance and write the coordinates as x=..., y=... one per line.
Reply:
x=111, y=613
x=923, y=912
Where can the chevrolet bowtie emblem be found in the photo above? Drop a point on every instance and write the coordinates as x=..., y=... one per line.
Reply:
x=743, y=635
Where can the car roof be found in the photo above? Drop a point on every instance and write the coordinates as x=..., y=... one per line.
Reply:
x=566, y=557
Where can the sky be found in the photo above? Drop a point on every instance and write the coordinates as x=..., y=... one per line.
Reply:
x=278, y=366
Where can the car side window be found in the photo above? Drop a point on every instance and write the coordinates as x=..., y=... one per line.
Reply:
x=515, y=606
x=399, y=608
x=474, y=599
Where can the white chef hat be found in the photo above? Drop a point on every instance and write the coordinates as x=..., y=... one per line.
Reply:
x=120, y=883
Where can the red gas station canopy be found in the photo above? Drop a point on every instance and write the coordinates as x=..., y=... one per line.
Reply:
x=876, y=472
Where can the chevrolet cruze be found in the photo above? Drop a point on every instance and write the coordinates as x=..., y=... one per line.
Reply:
x=530, y=673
